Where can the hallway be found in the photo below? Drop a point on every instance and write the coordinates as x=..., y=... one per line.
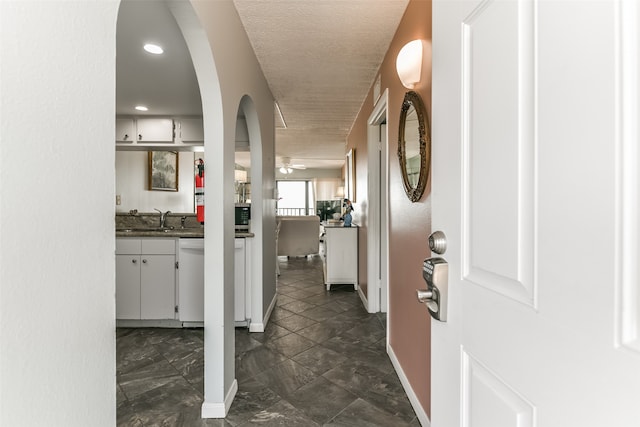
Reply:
x=320, y=362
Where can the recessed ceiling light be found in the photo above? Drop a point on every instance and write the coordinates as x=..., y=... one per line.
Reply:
x=141, y=108
x=153, y=48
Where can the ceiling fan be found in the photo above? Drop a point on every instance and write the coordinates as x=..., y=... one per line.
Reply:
x=287, y=167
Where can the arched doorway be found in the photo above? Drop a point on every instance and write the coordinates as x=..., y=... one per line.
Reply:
x=218, y=350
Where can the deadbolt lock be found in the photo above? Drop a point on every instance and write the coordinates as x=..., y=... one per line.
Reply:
x=438, y=242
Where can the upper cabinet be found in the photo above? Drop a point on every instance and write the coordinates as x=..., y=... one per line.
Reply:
x=125, y=130
x=155, y=130
x=158, y=132
x=191, y=131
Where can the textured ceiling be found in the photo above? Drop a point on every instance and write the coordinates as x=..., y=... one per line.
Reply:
x=319, y=57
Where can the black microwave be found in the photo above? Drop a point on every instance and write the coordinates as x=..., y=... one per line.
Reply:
x=243, y=216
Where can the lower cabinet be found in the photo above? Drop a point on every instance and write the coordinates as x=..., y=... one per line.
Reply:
x=158, y=287
x=127, y=287
x=341, y=256
x=145, y=278
x=148, y=279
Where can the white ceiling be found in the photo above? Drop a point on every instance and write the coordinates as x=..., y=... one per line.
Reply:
x=320, y=58
x=165, y=83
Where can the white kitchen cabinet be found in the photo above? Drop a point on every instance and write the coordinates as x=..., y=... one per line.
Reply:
x=158, y=287
x=144, y=133
x=125, y=130
x=127, y=287
x=341, y=256
x=145, y=278
x=191, y=131
x=154, y=130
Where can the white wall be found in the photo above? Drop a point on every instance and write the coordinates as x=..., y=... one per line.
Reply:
x=327, y=188
x=309, y=174
x=57, y=162
x=131, y=184
x=57, y=269
x=224, y=80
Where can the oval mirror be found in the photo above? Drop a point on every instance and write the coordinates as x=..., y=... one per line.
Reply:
x=414, y=145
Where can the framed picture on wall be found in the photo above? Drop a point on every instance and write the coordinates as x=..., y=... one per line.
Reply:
x=350, y=176
x=163, y=170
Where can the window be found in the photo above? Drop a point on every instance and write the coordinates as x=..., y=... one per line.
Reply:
x=295, y=198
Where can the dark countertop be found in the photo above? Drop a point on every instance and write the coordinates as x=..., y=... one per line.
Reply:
x=242, y=234
x=337, y=225
x=157, y=232
x=167, y=232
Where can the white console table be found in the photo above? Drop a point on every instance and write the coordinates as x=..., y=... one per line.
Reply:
x=340, y=255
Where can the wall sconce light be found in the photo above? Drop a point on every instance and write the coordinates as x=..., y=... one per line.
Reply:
x=409, y=63
x=240, y=175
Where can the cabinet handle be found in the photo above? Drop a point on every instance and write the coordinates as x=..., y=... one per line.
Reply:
x=144, y=261
x=139, y=137
x=126, y=136
x=135, y=261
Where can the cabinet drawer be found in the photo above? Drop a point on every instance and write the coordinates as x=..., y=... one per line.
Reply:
x=125, y=246
x=159, y=246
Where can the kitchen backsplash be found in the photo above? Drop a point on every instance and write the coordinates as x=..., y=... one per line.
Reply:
x=152, y=219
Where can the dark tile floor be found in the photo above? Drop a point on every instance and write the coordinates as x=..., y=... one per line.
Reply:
x=320, y=362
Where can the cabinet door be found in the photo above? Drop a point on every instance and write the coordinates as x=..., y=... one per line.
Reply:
x=125, y=130
x=157, y=286
x=342, y=255
x=191, y=130
x=127, y=287
x=155, y=130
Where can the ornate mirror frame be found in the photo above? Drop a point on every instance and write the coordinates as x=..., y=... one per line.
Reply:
x=411, y=98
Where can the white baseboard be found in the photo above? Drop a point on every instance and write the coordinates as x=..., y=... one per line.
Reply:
x=363, y=298
x=413, y=399
x=259, y=327
x=256, y=327
x=220, y=409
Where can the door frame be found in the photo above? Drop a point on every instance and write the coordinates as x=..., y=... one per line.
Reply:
x=378, y=208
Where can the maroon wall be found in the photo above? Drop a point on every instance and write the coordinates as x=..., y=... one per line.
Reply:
x=410, y=223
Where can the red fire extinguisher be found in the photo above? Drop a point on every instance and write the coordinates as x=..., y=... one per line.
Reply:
x=200, y=190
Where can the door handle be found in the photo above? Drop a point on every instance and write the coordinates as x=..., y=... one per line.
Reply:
x=429, y=298
x=435, y=272
x=424, y=295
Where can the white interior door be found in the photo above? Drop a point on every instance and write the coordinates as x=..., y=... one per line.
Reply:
x=377, y=209
x=383, y=229
x=535, y=186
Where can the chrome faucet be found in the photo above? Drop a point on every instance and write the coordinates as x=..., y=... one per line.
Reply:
x=163, y=217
